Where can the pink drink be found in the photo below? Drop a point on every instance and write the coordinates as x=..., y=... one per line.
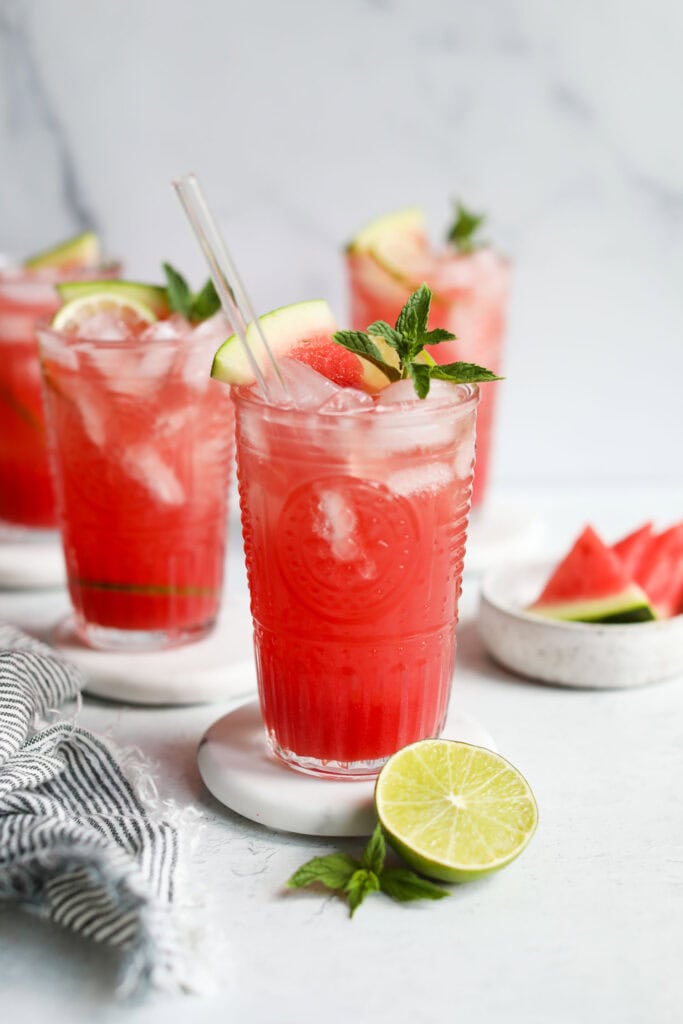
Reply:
x=354, y=526
x=470, y=293
x=26, y=492
x=141, y=443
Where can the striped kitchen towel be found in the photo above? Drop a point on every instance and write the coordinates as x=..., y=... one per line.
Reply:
x=76, y=842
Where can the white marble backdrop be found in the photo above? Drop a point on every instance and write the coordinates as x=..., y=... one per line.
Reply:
x=306, y=117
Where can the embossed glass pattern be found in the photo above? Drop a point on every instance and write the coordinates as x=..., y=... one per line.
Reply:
x=354, y=527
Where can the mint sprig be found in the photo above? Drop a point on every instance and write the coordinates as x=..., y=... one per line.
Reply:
x=408, y=339
x=193, y=306
x=463, y=233
x=356, y=879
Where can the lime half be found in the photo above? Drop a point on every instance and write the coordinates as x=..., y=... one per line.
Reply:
x=453, y=811
x=78, y=311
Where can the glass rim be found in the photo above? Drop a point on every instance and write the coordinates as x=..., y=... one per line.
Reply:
x=73, y=342
x=460, y=397
x=17, y=275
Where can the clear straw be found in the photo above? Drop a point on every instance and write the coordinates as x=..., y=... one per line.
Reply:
x=236, y=303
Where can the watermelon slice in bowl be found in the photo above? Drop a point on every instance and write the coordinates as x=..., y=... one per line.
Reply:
x=591, y=584
x=586, y=622
x=631, y=548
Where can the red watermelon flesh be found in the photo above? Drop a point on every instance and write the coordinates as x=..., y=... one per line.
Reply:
x=659, y=571
x=631, y=548
x=331, y=360
x=591, y=585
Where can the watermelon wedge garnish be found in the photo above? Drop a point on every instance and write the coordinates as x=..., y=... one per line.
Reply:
x=633, y=547
x=659, y=571
x=592, y=585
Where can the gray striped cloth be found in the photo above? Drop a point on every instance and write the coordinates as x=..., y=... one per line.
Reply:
x=76, y=843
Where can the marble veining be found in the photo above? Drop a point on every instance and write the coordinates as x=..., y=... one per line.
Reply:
x=31, y=109
x=305, y=120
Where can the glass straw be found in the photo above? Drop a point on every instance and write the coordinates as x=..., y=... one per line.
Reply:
x=235, y=301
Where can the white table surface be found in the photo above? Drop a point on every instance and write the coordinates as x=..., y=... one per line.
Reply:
x=585, y=927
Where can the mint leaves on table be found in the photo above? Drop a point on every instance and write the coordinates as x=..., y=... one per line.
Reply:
x=408, y=339
x=193, y=306
x=356, y=879
x=464, y=229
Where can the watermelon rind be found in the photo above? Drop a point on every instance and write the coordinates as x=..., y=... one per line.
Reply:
x=590, y=584
x=409, y=221
x=631, y=605
x=284, y=329
x=81, y=251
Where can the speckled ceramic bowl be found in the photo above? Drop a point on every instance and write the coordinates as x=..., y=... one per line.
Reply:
x=572, y=653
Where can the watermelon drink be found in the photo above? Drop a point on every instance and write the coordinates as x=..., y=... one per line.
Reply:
x=469, y=282
x=354, y=514
x=141, y=442
x=27, y=294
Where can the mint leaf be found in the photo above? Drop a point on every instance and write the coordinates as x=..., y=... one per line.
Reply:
x=179, y=294
x=438, y=335
x=404, y=885
x=420, y=376
x=408, y=339
x=413, y=318
x=462, y=373
x=205, y=303
x=333, y=871
x=362, y=345
x=465, y=227
x=359, y=885
x=375, y=852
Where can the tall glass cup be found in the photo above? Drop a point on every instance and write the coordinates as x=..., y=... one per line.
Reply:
x=141, y=442
x=26, y=492
x=354, y=527
x=470, y=297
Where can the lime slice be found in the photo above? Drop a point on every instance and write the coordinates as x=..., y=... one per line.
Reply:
x=77, y=312
x=453, y=811
x=81, y=251
x=152, y=296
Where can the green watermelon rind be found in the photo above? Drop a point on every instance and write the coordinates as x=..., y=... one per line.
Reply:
x=631, y=605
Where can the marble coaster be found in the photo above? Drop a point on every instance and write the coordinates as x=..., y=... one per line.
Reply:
x=27, y=564
x=237, y=766
x=501, y=533
x=219, y=667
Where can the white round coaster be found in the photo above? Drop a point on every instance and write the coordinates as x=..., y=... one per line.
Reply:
x=219, y=667
x=237, y=766
x=501, y=533
x=29, y=564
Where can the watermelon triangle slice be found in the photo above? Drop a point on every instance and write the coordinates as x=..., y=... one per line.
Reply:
x=631, y=548
x=659, y=571
x=592, y=585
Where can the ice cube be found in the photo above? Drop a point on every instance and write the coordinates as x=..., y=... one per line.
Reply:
x=347, y=400
x=92, y=413
x=153, y=366
x=212, y=332
x=195, y=366
x=145, y=465
x=399, y=392
x=105, y=326
x=427, y=430
x=306, y=388
x=336, y=524
x=172, y=329
x=427, y=477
